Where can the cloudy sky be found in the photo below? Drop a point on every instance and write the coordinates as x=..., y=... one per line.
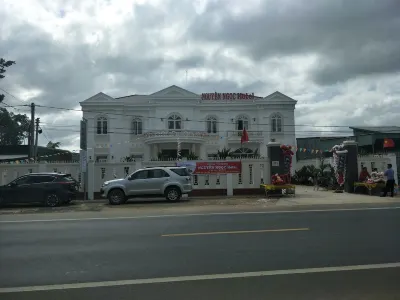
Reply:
x=340, y=59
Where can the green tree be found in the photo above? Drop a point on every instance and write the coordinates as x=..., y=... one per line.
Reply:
x=13, y=128
x=52, y=145
x=3, y=65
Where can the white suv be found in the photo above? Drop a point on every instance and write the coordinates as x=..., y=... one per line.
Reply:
x=171, y=182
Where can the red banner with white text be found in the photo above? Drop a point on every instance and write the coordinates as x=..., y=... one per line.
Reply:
x=220, y=167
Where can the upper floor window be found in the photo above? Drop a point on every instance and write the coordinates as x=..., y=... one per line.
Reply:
x=174, y=122
x=211, y=124
x=242, y=122
x=137, y=126
x=102, y=125
x=276, y=123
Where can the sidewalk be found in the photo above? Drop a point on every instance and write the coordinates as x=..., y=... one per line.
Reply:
x=305, y=197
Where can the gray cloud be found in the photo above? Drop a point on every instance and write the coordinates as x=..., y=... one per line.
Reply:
x=353, y=46
x=351, y=38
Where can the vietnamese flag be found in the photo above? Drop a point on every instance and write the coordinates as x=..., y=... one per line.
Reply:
x=388, y=143
x=245, y=137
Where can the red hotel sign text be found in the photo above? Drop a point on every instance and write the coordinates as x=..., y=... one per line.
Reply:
x=227, y=96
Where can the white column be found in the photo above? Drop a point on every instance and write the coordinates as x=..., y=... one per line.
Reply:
x=203, y=153
x=90, y=180
x=229, y=185
x=193, y=148
x=146, y=154
x=155, y=150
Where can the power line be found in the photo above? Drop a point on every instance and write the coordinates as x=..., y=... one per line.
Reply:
x=183, y=130
x=190, y=120
x=16, y=98
x=185, y=120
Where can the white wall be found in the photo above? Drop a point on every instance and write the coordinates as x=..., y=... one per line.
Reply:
x=153, y=108
x=105, y=171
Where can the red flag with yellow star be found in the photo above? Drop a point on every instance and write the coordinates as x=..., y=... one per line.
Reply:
x=388, y=143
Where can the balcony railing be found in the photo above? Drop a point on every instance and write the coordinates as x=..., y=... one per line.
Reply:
x=237, y=134
x=177, y=133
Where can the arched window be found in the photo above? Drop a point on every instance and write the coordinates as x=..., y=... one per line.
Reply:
x=137, y=126
x=242, y=122
x=211, y=124
x=174, y=122
x=102, y=125
x=276, y=123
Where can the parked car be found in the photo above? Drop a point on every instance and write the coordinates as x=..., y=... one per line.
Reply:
x=170, y=182
x=52, y=189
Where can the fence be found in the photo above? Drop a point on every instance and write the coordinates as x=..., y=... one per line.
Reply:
x=370, y=161
x=254, y=172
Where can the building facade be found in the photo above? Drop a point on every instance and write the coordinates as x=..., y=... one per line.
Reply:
x=150, y=127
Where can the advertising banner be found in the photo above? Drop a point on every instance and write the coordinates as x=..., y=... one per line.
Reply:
x=190, y=165
x=211, y=167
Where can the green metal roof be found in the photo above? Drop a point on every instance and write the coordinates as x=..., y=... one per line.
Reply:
x=379, y=129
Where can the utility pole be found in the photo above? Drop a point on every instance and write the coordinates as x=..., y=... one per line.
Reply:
x=32, y=132
x=36, y=138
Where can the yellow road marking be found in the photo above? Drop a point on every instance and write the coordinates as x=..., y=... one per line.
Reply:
x=235, y=232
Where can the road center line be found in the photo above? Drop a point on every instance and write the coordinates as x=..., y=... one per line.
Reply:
x=194, y=278
x=234, y=232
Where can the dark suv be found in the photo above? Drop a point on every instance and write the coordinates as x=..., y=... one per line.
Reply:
x=52, y=189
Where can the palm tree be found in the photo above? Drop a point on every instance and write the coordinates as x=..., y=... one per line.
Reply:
x=224, y=153
x=52, y=145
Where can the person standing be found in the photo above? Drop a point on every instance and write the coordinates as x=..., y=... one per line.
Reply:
x=389, y=173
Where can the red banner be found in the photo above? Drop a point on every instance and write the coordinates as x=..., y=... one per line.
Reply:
x=218, y=167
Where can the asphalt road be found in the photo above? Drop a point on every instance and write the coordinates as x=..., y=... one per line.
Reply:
x=88, y=254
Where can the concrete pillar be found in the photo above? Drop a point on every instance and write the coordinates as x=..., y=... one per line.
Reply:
x=156, y=150
x=351, y=175
x=229, y=185
x=90, y=179
x=42, y=167
x=275, y=157
x=146, y=154
x=193, y=150
x=3, y=179
x=203, y=153
x=138, y=165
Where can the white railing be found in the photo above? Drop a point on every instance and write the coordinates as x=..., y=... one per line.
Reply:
x=237, y=134
x=177, y=133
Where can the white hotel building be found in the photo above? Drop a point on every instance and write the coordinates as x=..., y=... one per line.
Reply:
x=150, y=126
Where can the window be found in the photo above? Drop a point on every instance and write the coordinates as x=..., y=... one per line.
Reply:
x=157, y=173
x=102, y=125
x=181, y=171
x=139, y=175
x=42, y=179
x=242, y=122
x=23, y=180
x=174, y=122
x=101, y=158
x=66, y=178
x=211, y=124
x=276, y=123
x=137, y=127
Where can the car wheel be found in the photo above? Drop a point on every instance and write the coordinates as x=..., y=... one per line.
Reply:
x=52, y=200
x=116, y=197
x=173, y=194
